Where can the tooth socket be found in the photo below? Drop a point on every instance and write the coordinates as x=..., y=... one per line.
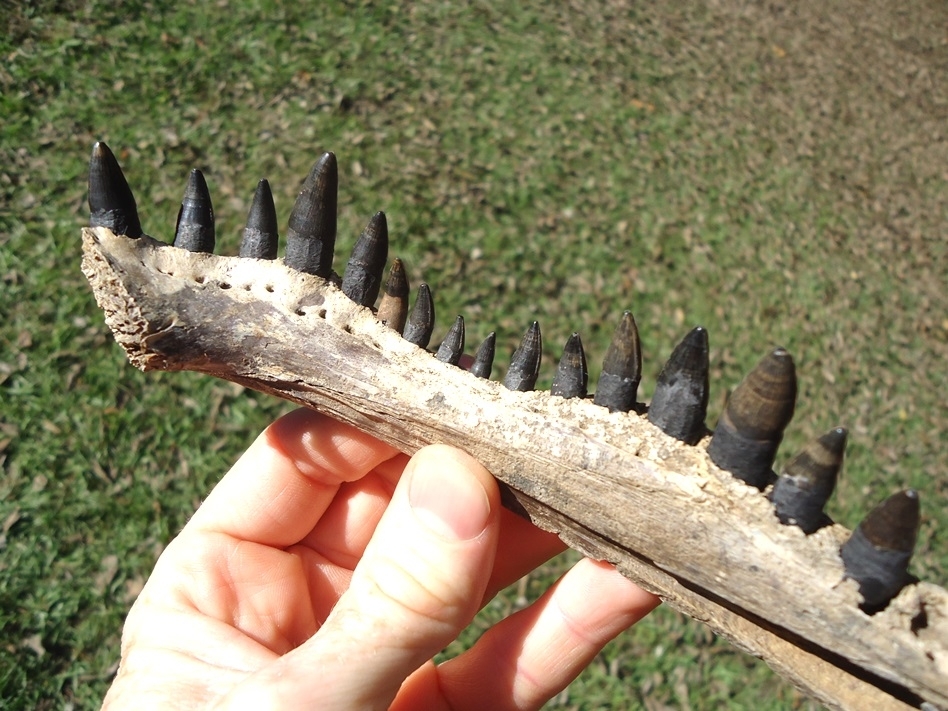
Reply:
x=484, y=358
x=195, y=227
x=393, y=308
x=363, y=277
x=525, y=364
x=680, y=403
x=452, y=348
x=260, y=236
x=750, y=430
x=621, y=368
x=311, y=231
x=572, y=375
x=111, y=203
x=421, y=320
x=808, y=481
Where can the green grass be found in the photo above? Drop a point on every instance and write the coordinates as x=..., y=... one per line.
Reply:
x=698, y=165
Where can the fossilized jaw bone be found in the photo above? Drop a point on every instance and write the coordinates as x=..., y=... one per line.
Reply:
x=609, y=483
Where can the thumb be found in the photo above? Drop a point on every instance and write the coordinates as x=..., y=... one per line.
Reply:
x=419, y=583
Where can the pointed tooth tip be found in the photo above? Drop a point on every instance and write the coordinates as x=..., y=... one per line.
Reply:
x=197, y=186
x=835, y=439
x=893, y=524
x=698, y=333
x=100, y=150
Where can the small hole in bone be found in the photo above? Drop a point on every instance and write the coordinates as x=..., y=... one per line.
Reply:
x=199, y=279
x=269, y=288
x=300, y=312
x=224, y=285
x=321, y=313
x=246, y=287
x=347, y=328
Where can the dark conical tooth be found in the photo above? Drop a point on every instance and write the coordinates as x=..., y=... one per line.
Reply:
x=311, y=231
x=748, y=434
x=808, y=480
x=363, y=277
x=484, y=358
x=393, y=308
x=877, y=554
x=571, y=374
x=680, y=402
x=111, y=203
x=421, y=320
x=260, y=236
x=621, y=368
x=525, y=363
x=195, y=227
x=452, y=347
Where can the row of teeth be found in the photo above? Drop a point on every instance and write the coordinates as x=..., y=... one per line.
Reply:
x=748, y=432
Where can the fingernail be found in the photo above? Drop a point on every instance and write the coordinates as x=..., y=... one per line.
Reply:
x=451, y=504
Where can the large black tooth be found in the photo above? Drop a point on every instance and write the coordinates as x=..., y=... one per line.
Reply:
x=808, y=480
x=311, y=231
x=260, y=236
x=877, y=554
x=525, y=364
x=621, y=368
x=111, y=203
x=195, y=228
x=421, y=320
x=680, y=403
x=751, y=427
x=393, y=308
x=363, y=277
x=571, y=374
x=452, y=347
x=484, y=358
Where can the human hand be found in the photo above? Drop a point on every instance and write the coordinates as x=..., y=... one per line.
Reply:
x=326, y=569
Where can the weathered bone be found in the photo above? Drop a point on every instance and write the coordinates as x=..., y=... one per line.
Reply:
x=609, y=483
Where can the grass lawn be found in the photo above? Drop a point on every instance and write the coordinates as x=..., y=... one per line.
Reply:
x=775, y=175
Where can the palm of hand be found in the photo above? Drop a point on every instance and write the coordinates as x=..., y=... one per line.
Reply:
x=277, y=595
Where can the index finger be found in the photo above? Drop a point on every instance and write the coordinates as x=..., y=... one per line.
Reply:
x=281, y=486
